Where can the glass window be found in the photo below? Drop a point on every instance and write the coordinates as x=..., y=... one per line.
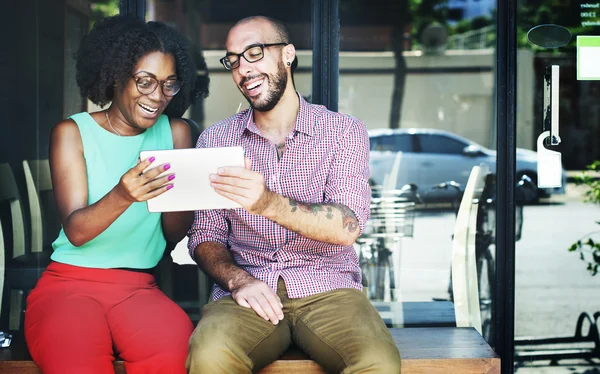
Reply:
x=556, y=263
x=420, y=65
x=431, y=143
x=43, y=38
x=76, y=27
x=393, y=143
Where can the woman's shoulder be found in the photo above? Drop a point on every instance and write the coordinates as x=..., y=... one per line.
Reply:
x=73, y=124
x=66, y=127
x=66, y=133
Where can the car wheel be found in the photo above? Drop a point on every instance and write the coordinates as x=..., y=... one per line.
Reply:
x=527, y=191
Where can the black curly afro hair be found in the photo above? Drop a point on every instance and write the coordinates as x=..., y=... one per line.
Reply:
x=110, y=52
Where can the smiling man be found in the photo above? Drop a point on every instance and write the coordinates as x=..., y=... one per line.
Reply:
x=284, y=264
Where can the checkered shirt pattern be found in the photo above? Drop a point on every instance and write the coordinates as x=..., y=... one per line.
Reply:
x=326, y=161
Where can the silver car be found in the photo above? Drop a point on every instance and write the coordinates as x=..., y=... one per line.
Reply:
x=428, y=157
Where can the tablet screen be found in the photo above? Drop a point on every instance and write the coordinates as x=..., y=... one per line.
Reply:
x=191, y=186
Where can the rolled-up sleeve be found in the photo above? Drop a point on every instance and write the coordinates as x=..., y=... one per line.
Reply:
x=348, y=181
x=208, y=226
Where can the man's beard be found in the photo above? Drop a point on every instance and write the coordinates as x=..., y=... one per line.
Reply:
x=275, y=91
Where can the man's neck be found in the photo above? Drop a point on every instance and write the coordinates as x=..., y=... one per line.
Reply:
x=277, y=123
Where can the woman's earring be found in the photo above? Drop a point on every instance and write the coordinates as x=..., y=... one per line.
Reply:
x=288, y=63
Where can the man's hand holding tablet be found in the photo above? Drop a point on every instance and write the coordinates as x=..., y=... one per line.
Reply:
x=192, y=186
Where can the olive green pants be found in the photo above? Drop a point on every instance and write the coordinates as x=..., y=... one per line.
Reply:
x=338, y=329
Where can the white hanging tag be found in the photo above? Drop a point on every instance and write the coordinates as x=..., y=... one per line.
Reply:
x=549, y=164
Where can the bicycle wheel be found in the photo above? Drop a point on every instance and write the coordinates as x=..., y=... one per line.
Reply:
x=486, y=270
x=382, y=262
x=392, y=276
x=365, y=260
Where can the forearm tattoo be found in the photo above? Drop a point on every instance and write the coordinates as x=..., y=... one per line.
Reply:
x=349, y=221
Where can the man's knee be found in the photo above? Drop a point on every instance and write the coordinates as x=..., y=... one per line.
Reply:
x=214, y=353
x=389, y=363
x=384, y=361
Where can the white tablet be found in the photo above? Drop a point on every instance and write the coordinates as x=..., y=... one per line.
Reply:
x=191, y=186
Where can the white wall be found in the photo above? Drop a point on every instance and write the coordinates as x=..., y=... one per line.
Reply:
x=456, y=101
x=461, y=102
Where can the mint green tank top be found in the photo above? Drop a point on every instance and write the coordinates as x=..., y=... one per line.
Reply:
x=135, y=239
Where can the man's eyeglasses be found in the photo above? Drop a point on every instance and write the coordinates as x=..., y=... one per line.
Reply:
x=253, y=53
x=147, y=85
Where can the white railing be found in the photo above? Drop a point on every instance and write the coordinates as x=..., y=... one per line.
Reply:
x=482, y=38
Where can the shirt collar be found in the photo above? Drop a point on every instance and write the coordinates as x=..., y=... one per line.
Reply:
x=304, y=120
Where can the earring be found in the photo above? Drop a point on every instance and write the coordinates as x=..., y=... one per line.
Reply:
x=288, y=63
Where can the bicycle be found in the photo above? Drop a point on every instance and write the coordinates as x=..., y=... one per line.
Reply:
x=392, y=218
x=485, y=240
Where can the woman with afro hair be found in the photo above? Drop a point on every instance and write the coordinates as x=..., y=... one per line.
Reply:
x=98, y=297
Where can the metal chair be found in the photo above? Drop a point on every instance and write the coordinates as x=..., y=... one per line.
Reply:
x=475, y=233
x=392, y=218
x=467, y=267
x=9, y=196
x=45, y=222
x=22, y=268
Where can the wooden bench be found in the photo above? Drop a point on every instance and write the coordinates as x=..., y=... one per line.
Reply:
x=427, y=350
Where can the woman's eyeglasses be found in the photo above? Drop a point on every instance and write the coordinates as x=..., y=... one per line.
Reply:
x=147, y=85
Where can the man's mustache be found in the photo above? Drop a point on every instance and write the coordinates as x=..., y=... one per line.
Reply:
x=251, y=77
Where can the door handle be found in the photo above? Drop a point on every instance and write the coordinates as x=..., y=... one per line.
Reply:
x=551, y=103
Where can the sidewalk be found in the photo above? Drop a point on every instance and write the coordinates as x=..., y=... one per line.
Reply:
x=564, y=366
x=571, y=174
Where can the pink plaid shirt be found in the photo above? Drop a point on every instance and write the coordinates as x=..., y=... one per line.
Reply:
x=326, y=161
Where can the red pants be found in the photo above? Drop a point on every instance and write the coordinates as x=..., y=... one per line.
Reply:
x=78, y=318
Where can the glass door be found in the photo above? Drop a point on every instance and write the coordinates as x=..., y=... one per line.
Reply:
x=420, y=75
x=557, y=297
